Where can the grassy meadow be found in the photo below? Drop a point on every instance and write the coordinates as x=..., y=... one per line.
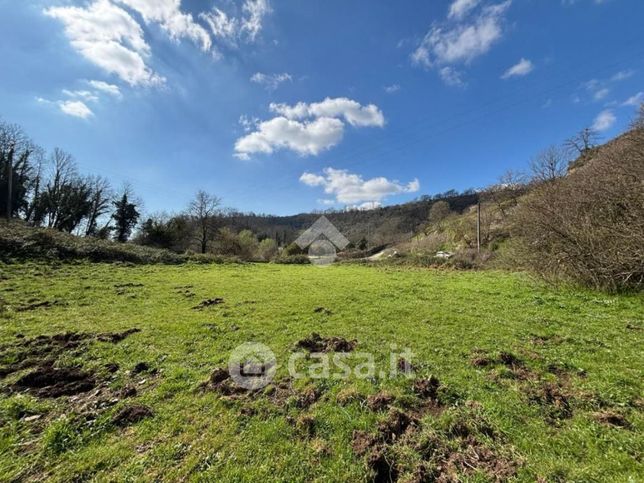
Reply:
x=529, y=383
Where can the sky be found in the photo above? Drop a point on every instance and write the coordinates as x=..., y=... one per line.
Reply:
x=288, y=106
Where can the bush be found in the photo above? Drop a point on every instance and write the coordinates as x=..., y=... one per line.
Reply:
x=587, y=227
x=293, y=260
x=18, y=241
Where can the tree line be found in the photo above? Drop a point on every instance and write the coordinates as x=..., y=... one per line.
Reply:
x=46, y=190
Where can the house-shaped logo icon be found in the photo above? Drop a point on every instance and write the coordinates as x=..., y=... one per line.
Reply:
x=322, y=239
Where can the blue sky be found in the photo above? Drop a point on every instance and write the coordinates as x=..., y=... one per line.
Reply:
x=284, y=106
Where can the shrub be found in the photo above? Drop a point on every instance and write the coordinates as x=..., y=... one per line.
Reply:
x=293, y=260
x=587, y=227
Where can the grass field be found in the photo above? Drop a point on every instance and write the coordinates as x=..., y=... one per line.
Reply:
x=527, y=382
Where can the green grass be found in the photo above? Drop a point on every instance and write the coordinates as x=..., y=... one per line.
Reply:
x=442, y=316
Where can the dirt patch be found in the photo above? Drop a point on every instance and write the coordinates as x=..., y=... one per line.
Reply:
x=221, y=382
x=467, y=446
x=405, y=366
x=380, y=401
x=317, y=343
x=308, y=397
x=49, y=382
x=611, y=418
x=45, y=304
x=131, y=415
x=140, y=367
x=427, y=388
x=45, y=350
x=322, y=310
x=128, y=285
x=208, y=303
x=553, y=399
x=116, y=337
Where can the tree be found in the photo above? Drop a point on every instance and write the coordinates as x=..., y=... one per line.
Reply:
x=267, y=249
x=438, y=212
x=65, y=200
x=163, y=231
x=99, y=202
x=203, y=210
x=549, y=165
x=249, y=244
x=582, y=142
x=125, y=215
x=16, y=151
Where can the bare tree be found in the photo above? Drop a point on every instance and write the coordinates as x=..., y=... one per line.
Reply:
x=582, y=142
x=203, y=209
x=549, y=165
x=100, y=203
x=437, y=214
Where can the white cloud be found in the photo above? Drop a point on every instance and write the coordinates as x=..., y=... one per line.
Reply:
x=351, y=111
x=307, y=129
x=520, y=69
x=393, y=88
x=106, y=88
x=601, y=93
x=221, y=25
x=635, y=100
x=255, y=11
x=270, y=81
x=604, y=120
x=305, y=138
x=168, y=14
x=75, y=109
x=87, y=96
x=451, y=76
x=349, y=188
x=460, y=8
x=246, y=27
x=622, y=75
x=462, y=41
x=110, y=38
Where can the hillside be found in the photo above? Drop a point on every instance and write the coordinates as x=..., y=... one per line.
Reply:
x=379, y=226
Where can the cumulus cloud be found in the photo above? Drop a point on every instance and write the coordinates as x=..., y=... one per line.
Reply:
x=270, y=81
x=353, y=189
x=604, y=121
x=75, y=109
x=109, y=37
x=305, y=138
x=306, y=129
x=168, y=14
x=465, y=36
x=520, y=69
x=351, y=111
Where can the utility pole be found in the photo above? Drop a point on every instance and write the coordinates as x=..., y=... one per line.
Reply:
x=9, y=183
x=478, y=227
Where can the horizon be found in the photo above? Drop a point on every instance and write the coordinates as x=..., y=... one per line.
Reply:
x=288, y=108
